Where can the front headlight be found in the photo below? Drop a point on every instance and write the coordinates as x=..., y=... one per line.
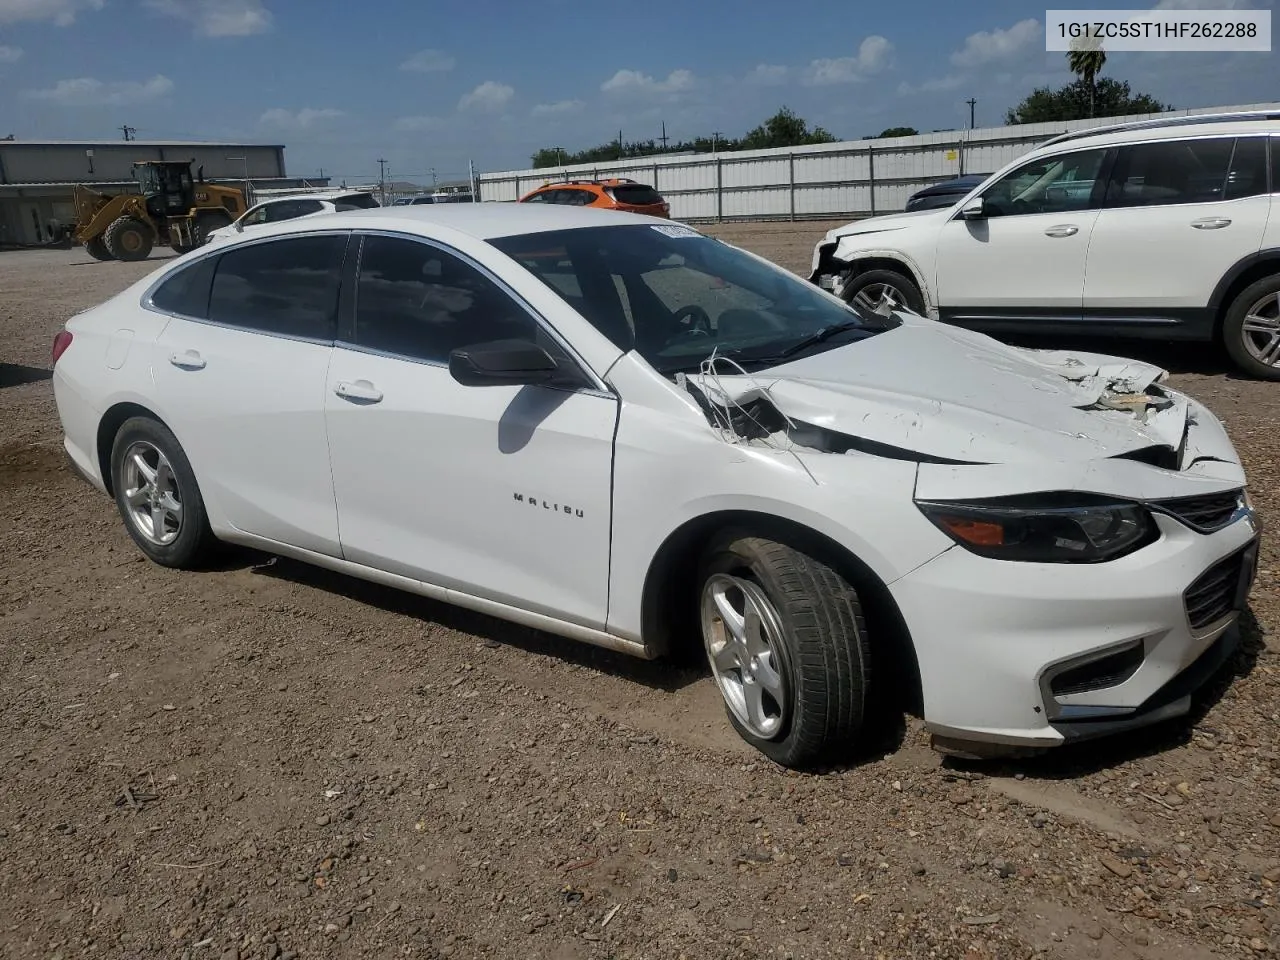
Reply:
x=1051, y=528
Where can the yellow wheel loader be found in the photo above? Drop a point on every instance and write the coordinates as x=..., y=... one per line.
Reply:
x=172, y=209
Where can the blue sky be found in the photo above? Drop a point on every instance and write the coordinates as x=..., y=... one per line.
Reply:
x=435, y=84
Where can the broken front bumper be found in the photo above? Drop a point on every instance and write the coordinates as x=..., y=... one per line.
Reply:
x=1039, y=654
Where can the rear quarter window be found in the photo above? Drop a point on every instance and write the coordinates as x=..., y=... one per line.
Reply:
x=186, y=291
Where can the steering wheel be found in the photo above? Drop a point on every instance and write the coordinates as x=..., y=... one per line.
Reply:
x=691, y=321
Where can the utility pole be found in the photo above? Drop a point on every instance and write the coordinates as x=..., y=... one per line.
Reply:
x=664, y=138
x=382, y=181
x=434, y=180
x=971, y=101
x=322, y=173
x=471, y=180
x=619, y=144
x=715, y=140
x=128, y=131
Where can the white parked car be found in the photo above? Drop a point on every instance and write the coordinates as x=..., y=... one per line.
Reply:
x=1166, y=229
x=278, y=209
x=614, y=428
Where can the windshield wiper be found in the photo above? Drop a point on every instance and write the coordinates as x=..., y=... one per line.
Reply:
x=826, y=333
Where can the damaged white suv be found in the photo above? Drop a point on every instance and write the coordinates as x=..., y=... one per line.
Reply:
x=619, y=430
x=1166, y=229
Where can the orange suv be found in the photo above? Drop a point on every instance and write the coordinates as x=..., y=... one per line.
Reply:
x=616, y=194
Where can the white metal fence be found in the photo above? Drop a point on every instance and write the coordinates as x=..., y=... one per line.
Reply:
x=847, y=179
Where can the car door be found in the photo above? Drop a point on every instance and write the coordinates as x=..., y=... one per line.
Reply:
x=1177, y=215
x=501, y=492
x=240, y=374
x=1022, y=261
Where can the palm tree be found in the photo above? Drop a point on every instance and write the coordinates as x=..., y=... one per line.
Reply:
x=1086, y=62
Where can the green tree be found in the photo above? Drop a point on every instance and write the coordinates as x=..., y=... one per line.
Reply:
x=784, y=129
x=897, y=132
x=1086, y=61
x=1078, y=101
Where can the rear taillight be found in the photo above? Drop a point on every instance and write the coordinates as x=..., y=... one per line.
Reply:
x=60, y=343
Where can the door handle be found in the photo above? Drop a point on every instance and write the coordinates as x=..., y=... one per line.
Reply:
x=358, y=391
x=187, y=360
x=1062, y=230
x=1211, y=223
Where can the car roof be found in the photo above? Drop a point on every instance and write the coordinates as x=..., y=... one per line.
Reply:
x=318, y=195
x=482, y=221
x=1156, y=130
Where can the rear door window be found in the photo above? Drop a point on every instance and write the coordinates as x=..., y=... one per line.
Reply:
x=286, y=287
x=1248, y=174
x=1170, y=172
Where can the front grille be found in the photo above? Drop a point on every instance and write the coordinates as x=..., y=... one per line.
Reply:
x=1213, y=596
x=1109, y=671
x=1207, y=513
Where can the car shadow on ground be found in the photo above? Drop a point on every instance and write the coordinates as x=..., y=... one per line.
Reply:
x=666, y=675
x=16, y=375
x=1207, y=359
x=1082, y=759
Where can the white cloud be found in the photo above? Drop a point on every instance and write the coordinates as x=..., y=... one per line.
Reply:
x=633, y=81
x=61, y=12
x=429, y=61
x=10, y=54
x=302, y=119
x=490, y=95
x=987, y=46
x=218, y=18
x=939, y=85
x=767, y=75
x=559, y=107
x=875, y=53
x=417, y=124
x=88, y=92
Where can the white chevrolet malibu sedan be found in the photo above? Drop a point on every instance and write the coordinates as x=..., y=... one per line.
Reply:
x=622, y=431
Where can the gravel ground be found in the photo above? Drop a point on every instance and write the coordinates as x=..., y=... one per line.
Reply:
x=269, y=761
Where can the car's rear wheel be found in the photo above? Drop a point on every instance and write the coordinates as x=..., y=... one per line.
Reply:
x=883, y=291
x=158, y=497
x=1251, y=329
x=785, y=636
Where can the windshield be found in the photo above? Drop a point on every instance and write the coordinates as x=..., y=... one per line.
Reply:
x=676, y=296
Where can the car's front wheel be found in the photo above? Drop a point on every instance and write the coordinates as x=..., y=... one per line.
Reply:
x=884, y=291
x=158, y=497
x=1251, y=329
x=786, y=639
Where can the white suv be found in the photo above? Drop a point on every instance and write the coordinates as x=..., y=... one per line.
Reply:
x=1161, y=229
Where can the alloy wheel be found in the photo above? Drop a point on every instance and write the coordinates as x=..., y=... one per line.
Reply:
x=742, y=632
x=151, y=493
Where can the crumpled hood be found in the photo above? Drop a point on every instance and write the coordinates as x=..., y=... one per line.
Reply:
x=890, y=221
x=951, y=394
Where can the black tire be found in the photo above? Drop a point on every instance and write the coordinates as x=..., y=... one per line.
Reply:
x=1263, y=300
x=823, y=658
x=910, y=296
x=194, y=545
x=97, y=249
x=129, y=239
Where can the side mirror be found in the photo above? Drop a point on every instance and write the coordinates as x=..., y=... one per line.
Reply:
x=973, y=210
x=501, y=362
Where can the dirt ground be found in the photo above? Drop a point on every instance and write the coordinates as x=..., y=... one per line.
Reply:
x=268, y=761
